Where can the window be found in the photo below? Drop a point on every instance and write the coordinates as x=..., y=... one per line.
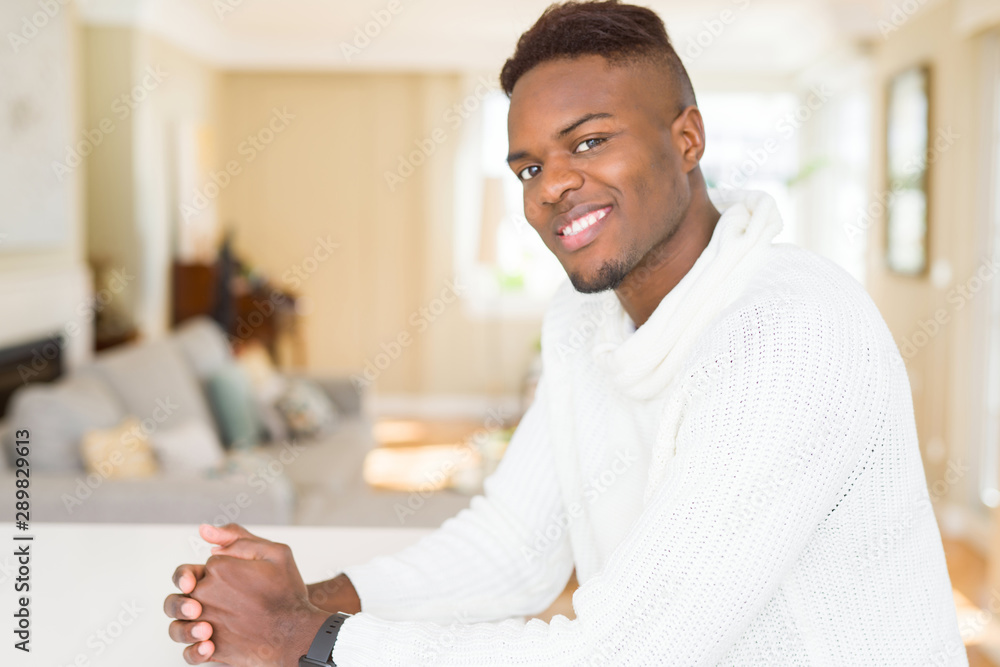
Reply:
x=752, y=143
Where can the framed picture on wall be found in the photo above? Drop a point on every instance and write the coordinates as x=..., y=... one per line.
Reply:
x=39, y=151
x=907, y=135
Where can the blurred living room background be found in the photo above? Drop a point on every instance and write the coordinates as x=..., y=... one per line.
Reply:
x=262, y=260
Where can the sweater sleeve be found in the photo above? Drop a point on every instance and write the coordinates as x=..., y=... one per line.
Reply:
x=771, y=433
x=481, y=565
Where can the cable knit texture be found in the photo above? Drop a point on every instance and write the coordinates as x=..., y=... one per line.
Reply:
x=737, y=482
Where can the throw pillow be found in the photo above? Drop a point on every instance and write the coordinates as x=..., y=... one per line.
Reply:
x=306, y=408
x=190, y=447
x=122, y=452
x=231, y=397
x=268, y=385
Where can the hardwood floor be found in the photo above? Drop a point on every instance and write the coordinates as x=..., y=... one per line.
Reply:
x=967, y=569
x=412, y=432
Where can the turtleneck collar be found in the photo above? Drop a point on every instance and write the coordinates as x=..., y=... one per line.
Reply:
x=643, y=361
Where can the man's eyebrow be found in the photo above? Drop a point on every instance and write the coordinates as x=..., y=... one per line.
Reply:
x=580, y=121
x=563, y=132
x=516, y=156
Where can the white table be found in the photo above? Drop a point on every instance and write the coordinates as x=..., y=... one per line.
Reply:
x=97, y=590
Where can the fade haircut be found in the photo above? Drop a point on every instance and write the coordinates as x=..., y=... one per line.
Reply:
x=622, y=34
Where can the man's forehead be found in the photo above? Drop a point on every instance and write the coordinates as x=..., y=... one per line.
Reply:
x=558, y=95
x=586, y=84
x=561, y=83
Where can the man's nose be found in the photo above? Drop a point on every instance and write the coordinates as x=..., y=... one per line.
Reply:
x=559, y=177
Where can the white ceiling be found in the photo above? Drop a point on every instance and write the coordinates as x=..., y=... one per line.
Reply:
x=765, y=37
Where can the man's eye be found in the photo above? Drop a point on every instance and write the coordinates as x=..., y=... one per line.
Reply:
x=529, y=172
x=587, y=144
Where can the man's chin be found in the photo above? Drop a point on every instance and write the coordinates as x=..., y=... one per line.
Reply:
x=609, y=276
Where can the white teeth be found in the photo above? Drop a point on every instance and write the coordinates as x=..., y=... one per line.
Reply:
x=581, y=224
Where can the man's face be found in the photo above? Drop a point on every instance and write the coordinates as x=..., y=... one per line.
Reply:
x=604, y=183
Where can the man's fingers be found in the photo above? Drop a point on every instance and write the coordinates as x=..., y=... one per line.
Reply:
x=223, y=535
x=181, y=607
x=248, y=548
x=187, y=576
x=199, y=653
x=188, y=632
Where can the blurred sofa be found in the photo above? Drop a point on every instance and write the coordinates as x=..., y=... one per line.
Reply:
x=164, y=385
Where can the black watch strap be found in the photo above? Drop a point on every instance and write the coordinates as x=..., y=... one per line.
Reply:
x=322, y=645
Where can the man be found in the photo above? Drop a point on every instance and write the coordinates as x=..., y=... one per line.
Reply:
x=722, y=442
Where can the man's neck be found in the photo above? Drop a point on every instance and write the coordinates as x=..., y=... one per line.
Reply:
x=666, y=264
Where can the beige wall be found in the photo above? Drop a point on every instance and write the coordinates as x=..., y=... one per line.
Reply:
x=112, y=235
x=942, y=372
x=130, y=210
x=323, y=176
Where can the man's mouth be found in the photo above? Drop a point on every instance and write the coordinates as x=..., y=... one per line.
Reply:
x=584, y=221
x=583, y=229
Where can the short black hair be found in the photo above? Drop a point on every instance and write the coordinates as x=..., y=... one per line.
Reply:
x=622, y=34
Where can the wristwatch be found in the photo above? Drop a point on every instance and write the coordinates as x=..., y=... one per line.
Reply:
x=322, y=645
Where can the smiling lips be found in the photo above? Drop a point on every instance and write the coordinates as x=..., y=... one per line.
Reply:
x=582, y=230
x=583, y=222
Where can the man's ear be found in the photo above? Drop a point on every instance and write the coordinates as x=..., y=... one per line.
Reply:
x=688, y=132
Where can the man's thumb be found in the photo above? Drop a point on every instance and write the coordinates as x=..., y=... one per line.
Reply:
x=222, y=535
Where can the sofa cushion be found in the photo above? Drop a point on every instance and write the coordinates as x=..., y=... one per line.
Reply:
x=203, y=343
x=346, y=396
x=185, y=499
x=333, y=460
x=190, y=447
x=57, y=416
x=155, y=383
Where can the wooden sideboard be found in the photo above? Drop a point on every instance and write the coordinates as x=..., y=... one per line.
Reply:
x=259, y=312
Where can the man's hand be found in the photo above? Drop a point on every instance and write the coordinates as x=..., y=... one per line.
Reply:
x=188, y=629
x=252, y=599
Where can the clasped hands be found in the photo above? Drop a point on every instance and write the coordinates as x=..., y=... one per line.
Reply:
x=247, y=606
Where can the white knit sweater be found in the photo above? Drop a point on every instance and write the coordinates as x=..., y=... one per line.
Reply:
x=737, y=482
